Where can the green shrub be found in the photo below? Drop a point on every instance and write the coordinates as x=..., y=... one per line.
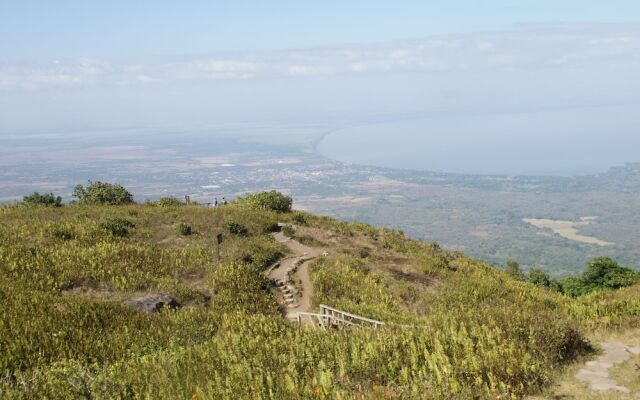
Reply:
x=602, y=274
x=63, y=232
x=606, y=273
x=299, y=218
x=168, y=202
x=102, y=193
x=272, y=200
x=513, y=269
x=272, y=227
x=288, y=230
x=184, y=229
x=117, y=226
x=46, y=199
x=363, y=252
x=236, y=228
x=539, y=278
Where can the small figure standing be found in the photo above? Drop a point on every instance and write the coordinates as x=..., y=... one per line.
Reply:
x=215, y=202
x=224, y=201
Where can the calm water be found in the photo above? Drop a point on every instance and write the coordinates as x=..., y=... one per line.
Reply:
x=574, y=142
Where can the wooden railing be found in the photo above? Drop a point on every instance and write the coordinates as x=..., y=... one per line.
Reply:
x=330, y=317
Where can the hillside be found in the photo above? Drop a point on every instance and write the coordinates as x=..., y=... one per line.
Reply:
x=456, y=327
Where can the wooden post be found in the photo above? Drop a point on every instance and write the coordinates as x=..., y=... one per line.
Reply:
x=218, y=243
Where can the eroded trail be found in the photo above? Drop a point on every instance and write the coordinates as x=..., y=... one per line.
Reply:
x=291, y=276
x=595, y=374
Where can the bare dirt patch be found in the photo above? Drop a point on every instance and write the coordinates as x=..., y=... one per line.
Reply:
x=568, y=229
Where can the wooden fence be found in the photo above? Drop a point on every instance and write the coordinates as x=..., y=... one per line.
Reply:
x=330, y=317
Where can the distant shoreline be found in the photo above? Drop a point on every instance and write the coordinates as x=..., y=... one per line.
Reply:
x=317, y=141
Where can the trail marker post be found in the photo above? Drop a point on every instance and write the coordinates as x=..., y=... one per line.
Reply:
x=218, y=243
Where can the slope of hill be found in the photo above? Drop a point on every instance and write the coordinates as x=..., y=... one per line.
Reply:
x=67, y=275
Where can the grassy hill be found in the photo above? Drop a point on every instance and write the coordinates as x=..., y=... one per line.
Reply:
x=66, y=274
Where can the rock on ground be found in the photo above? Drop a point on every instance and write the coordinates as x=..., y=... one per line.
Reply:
x=153, y=302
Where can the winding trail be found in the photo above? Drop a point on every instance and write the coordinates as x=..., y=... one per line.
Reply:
x=595, y=374
x=291, y=276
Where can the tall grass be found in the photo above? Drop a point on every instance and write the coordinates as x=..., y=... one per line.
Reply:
x=65, y=331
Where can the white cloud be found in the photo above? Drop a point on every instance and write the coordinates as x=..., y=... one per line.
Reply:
x=525, y=48
x=226, y=68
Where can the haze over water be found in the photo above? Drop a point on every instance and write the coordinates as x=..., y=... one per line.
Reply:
x=559, y=142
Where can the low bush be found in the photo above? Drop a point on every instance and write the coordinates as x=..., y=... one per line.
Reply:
x=299, y=218
x=62, y=232
x=273, y=201
x=169, y=202
x=184, y=229
x=117, y=226
x=236, y=228
x=288, y=231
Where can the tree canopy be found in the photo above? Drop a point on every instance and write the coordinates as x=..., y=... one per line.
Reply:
x=45, y=199
x=102, y=193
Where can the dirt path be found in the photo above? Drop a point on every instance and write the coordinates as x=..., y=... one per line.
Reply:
x=595, y=374
x=291, y=276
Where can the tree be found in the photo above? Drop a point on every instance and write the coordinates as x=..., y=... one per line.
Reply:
x=513, y=269
x=573, y=286
x=102, y=193
x=606, y=273
x=272, y=200
x=539, y=278
x=602, y=273
x=45, y=199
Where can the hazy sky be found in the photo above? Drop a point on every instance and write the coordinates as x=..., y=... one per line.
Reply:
x=51, y=29
x=89, y=64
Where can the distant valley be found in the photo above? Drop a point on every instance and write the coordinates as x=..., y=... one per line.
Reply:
x=486, y=216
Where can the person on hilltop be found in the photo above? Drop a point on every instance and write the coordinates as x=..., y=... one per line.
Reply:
x=215, y=202
x=224, y=201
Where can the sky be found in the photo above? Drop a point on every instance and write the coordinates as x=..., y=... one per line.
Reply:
x=118, y=28
x=74, y=65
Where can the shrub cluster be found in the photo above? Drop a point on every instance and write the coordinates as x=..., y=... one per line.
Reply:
x=272, y=200
x=45, y=199
x=602, y=273
x=169, y=202
x=62, y=232
x=102, y=193
x=236, y=228
x=117, y=226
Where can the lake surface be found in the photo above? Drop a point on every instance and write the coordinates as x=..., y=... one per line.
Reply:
x=559, y=142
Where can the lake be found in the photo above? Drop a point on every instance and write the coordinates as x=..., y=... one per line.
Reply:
x=552, y=142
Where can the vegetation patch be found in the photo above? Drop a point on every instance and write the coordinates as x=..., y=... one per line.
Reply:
x=480, y=334
x=169, y=202
x=102, y=193
x=45, y=199
x=118, y=227
x=236, y=228
x=184, y=229
x=273, y=201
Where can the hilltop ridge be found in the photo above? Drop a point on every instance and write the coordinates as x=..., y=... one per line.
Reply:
x=68, y=272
